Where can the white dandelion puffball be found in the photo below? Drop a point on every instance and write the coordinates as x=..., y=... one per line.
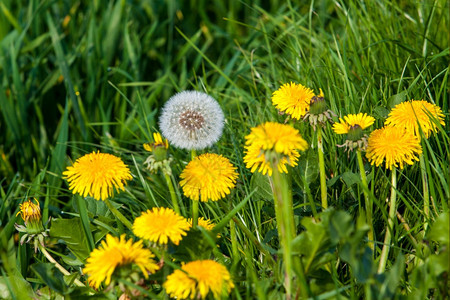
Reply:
x=191, y=120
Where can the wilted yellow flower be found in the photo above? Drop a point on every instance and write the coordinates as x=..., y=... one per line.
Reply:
x=208, y=177
x=30, y=211
x=159, y=225
x=293, y=99
x=197, y=279
x=411, y=114
x=205, y=223
x=268, y=138
x=96, y=175
x=115, y=253
x=159, y=141
x=394, y=146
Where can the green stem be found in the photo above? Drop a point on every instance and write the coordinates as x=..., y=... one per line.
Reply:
x=194, y=213
x=426, y=194
x=285, y=222
x=85, y=221
x=119, y=215
x=194, y=203
x=173, y=195
x=390, y=226
x=57, y=265
x=323, y=181
x=368, y=203
x=234, y=246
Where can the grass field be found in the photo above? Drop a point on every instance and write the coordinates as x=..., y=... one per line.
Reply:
x=84, y=76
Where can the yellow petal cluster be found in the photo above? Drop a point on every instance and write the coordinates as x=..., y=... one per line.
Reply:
x=393, y=146
x=208, y=177
x=97, y=175
x=293, y=99
x=205, y=223
x=361, y=120
x=114, y=253
x=416, y=114
x=160, y=225
x=272, y=137
x=197, y=279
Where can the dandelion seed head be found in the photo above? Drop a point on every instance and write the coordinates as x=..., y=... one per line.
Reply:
x=192, y=120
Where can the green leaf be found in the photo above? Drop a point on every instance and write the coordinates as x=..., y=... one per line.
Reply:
x=261, y=185
x=71, y=232
x=51, y=276
x=380, y=112
x=439, y=231
x=396, y=99
x=21, y=288
x=193, y=246
x=308, y=166
x=350, y=178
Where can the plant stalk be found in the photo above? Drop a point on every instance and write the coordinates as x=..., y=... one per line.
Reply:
x=173, y=195
x=426, y=193
x=285, y=222
x=57, y=265
x=390, y=226
x=323, y=181
x=368, y=203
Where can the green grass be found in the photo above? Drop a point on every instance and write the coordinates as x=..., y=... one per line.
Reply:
x=80, y=76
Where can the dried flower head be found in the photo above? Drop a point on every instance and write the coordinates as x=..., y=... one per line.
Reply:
x=273, y=139
x=97, y=175
x=416, y=114
x=394, y=146
x=208, y=177
x=192, y=120
x=160, y=225
x=116, y=253
x=197, y=279
x=318, y=114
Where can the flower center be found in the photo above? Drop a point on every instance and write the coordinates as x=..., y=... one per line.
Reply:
x=191, y=120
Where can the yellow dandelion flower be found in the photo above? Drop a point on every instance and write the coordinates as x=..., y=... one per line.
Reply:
x=208, y=177
x=114, y=253
x=272, y=137
x=293, y=99
x=396, y=147
x=352, y=121
x=197, y=279
x=96, y=174
x=205, y=223
x=159, y=225
x=159, y=141
x=411, y=114
x=30, y=211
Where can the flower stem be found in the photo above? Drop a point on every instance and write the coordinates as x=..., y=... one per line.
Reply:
x=323, y=182
x=194, y=203
x=173, y=195
x=234, y=246
x=118, y=215
x=285, y=222
x=368, y=203
x=194, y=213
x=390, y=226
x=57, y=265
x=426, y=194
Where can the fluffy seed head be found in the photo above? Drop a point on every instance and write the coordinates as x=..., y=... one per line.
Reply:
x=191, y=120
